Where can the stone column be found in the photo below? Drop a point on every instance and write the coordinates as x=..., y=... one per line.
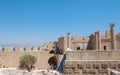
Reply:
x=68, y=40
x=113, y=38
x=99, y=40
x=96, y=41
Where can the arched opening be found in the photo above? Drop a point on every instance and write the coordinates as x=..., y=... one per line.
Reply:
x=52, y=52
x=3, y=49
x=24, y=49
x=53, y=62
x=105, y=48
x=78, y=48
x=14, y=49
x=31, y=48
x=38, y=48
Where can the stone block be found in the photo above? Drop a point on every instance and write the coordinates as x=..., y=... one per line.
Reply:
x=68, y=71
x=80, y=66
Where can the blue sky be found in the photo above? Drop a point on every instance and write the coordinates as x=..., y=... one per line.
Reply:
x=38, y=21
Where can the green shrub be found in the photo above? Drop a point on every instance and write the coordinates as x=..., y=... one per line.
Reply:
x=27, y=61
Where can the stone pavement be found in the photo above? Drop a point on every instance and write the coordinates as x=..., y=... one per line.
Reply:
x=14, y=71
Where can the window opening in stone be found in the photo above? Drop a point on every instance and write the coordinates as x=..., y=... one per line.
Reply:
x=78, y=48
x=14, y=49
x=104, y=47
x=24, y=49
x=32, y=48
x=3, y=49
x=38, y=48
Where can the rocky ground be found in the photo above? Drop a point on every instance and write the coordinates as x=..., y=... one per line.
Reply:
x=14, y=71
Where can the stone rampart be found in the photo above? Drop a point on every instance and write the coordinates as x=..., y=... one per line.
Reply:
x=91, y=62
x=90, y=67
x=9, y=56
x=20, y=48
x=93, y=55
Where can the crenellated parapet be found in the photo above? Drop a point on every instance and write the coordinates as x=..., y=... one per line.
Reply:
x=20, y=48
x=46, y=47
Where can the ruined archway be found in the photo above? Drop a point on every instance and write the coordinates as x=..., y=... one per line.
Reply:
x=53, y=62
x=52, y=51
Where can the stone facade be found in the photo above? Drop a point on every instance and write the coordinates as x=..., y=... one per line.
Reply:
x=85, y=55
x=49, y=46
x=10, y=55
x=73, y=42
x=91, y=62
x=90, y=67
x=97, y=41
x=91, y=55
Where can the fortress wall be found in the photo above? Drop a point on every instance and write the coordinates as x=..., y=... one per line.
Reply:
x=61, y=43
x=118, y=45
x=93, y=55
x=10, y=55
x=80, y=39
x=80, y=67
x=91, y=62
x=19, y=49
x=50, y=45
x=82, y=45
x=118, y=41
x=107, y=43
x=11, y=59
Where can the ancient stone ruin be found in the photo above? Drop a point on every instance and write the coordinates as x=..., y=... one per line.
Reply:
x=71, y=55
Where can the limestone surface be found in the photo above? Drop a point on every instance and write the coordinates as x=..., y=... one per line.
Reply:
x=14, y=71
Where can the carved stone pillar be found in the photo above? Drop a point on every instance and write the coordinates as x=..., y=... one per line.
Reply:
x=68, y=40
x=96, y=41
x=99, y=40
x=113, y=38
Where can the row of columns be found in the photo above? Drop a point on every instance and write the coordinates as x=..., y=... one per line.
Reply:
x=98, y=40
x=112, y=36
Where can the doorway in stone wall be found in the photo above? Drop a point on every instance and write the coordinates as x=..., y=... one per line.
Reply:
x=105, y=47
x=78, y=48
x=53, y=62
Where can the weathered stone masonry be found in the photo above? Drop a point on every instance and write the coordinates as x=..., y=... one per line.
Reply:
x=97, y=41
x=91, y=62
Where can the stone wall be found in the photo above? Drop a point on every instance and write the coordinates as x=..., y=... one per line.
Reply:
x=11, y=59
x=49, y=46
x=118, y=41
x=20, y=48
x=91, y=62
x=79, y=42
x=106, y=43
x=96, y=41
x=62, y=44
x=10, y=55
x=93, y=55
x=90, y=67
x=73, y=42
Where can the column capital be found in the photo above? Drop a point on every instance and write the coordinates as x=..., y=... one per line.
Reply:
x=112, y=25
